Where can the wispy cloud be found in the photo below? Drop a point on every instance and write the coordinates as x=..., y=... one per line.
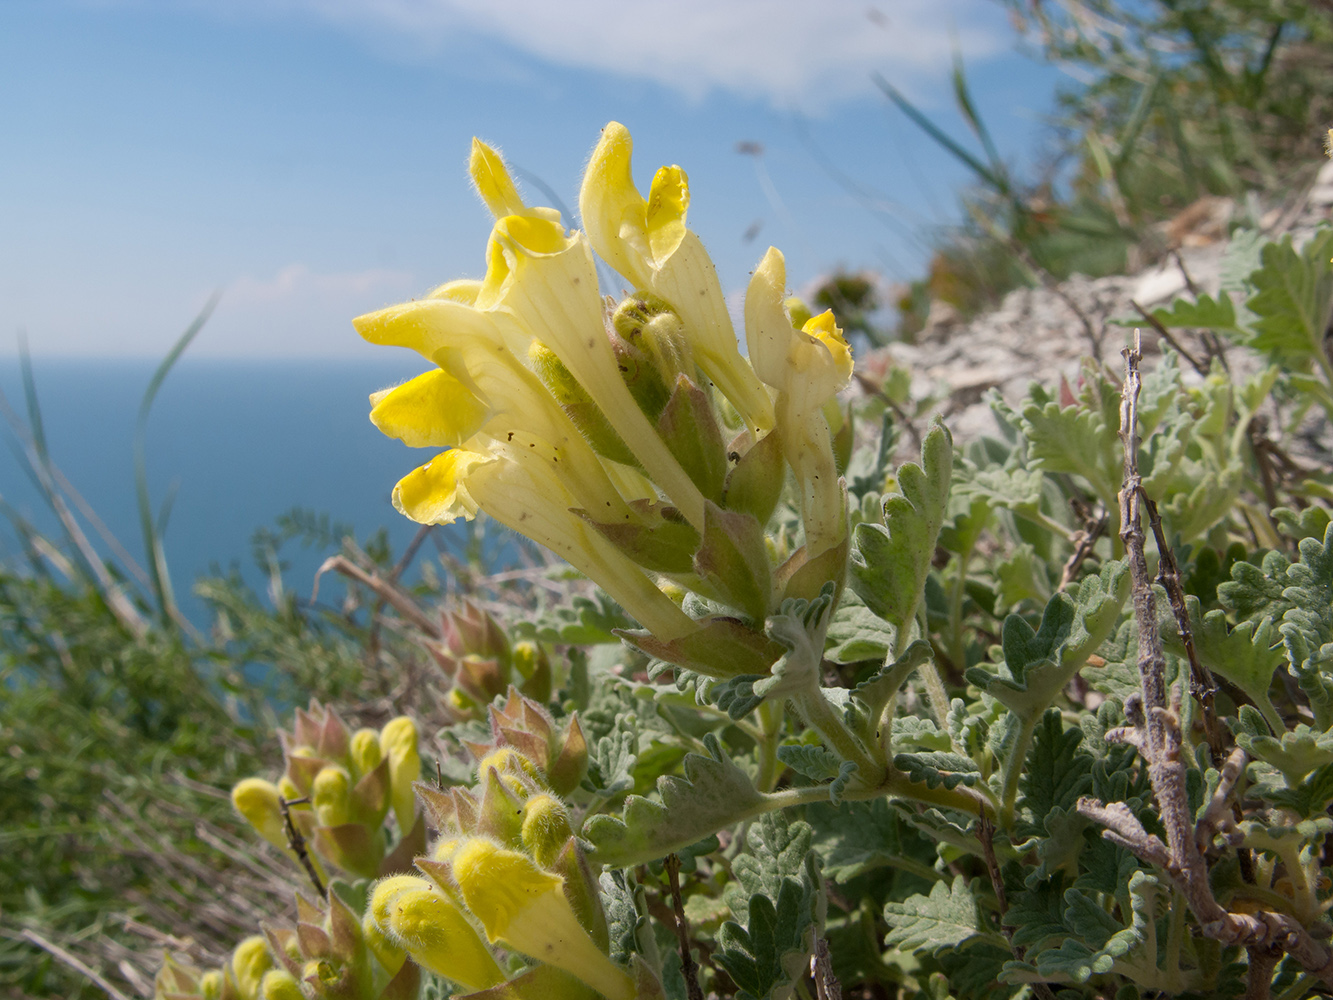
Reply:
x=783, y=51
x=296, y=282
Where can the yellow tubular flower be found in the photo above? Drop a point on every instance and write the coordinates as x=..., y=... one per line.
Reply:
x=440, y=938
x=525, y=908
x=807, y=367
x=543, y=286
x=514, y=488
x=495, y=392
x=648, y=242
x=496, y=187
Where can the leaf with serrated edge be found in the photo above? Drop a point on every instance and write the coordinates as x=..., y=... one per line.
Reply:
x=890, y=562
x=947, y=918
x=1037, y=665
x=713, y=795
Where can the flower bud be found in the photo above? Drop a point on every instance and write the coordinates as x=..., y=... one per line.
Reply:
x=533, y=665
x=249, y=962
x=258, y=801
x=525, y=908
x=211, y=985
x=331, y=795
x=545, y=828
x=365, y=751
x=440, y=938
x=578, y=404
x=399, y=740
x=279, y=984
x=386, y=951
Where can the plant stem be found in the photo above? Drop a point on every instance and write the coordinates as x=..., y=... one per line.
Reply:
x=819, y=716
x=769, y=735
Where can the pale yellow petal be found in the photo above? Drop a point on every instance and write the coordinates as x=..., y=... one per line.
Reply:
x=612, y=209
x=436, y=493
x=434, y=410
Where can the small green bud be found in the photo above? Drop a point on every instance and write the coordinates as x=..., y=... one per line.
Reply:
x=279, y=984
x=365, y=751
x=331, y=794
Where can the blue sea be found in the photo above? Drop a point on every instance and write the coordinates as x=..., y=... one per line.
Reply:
x=238, y=442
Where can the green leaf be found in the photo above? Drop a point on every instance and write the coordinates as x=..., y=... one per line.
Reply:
x=1056, y=773
x=890, y=562
x=1098, y=943
x=1311, y=796
x=625, y=904
x=856, y=633
x=1307, y=627
x=946, y=919
x=1294, y=298
x=1256, y=592
x=1210, y=313
x=1037, y=665
x=714, y=794
x=1246, y=656
x=1296, y=754
x=1081, y=439
x=937, y=768
x=611, y=764
x=779, y=889
x=853, y=838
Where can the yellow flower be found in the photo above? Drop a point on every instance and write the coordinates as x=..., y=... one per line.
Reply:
x=512, y=485
x=525, y=908
x=807, y=367
x=439, y=937
x=648, y=242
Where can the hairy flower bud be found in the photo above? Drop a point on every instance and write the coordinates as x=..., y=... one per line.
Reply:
x=249, y=962
x=440, y=938
x=525, y=908
x=331, y=794
x=259, y=802
x=399, y=740
x=365, y=751
x=545, y=828
x=279, y=984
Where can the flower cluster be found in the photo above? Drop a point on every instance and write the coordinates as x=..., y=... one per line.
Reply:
x=481, y=662
x=631, y=438
x=339, y=787
x=508, y=870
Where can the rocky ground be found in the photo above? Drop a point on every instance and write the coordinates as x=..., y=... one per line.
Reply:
x=1043, y=333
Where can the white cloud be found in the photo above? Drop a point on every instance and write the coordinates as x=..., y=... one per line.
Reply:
x=300, y=312
x=815, y=52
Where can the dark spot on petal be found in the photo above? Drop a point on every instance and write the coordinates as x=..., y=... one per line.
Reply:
x=511, y=435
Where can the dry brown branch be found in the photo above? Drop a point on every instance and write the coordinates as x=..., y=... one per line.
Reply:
x=1160, y=742
x=687, y=967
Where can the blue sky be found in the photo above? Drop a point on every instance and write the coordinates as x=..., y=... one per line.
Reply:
x=307, y=157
